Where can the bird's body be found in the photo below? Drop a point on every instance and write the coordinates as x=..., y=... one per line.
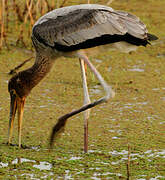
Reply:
x=84, y=26
x=68, y=32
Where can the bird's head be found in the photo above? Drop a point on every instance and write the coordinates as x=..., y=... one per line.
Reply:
x=18, y=92
x=18, y=84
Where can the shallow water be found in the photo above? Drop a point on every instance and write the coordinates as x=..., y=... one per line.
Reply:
x=136, y=69
x=39, y=165
x=122, y=156
x=43, y=166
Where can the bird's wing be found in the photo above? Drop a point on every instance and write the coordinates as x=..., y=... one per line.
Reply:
x=134, y=26
x=82, y=25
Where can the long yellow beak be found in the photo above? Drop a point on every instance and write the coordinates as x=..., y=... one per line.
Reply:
x=16, y=103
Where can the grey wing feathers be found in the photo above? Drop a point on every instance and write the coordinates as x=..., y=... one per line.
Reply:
x=83, y=24
x=133, y=24
x=94, y=25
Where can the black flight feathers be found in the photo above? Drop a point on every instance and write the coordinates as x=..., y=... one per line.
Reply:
x=102, y=40
x=48, y=32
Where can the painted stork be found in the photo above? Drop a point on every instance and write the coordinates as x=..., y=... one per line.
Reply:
x=68, y=32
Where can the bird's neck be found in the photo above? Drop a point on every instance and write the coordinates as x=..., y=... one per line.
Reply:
x=32, y=76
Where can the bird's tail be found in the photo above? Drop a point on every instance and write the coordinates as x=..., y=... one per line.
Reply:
x=151, y=37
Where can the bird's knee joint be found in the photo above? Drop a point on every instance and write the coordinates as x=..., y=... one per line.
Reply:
x=112, y=94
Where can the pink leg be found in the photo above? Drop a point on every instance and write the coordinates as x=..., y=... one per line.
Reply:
x=86, y=101
x=109, y=94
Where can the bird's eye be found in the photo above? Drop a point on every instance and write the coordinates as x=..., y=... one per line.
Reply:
x=18, y=80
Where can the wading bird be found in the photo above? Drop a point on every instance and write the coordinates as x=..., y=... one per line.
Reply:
x=68, y=32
